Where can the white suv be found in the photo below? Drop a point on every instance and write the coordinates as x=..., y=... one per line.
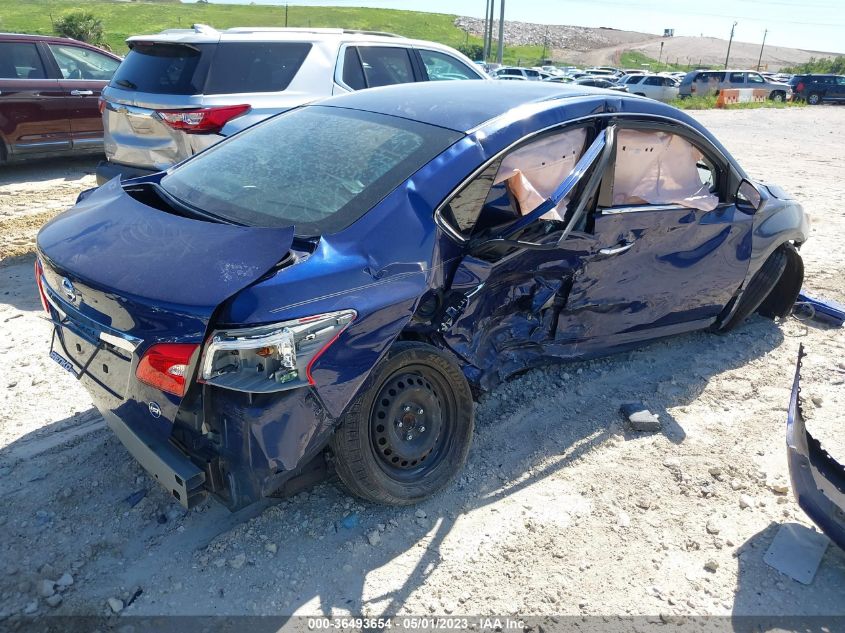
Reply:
x=182, y=90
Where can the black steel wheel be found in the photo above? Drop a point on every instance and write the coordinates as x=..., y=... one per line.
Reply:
x=408, y=431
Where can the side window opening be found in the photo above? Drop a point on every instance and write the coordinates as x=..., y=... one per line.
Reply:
x=442, y=67
x=658, y=168
x=518, y=183
x=532, y=173
x=353, y=73
x=386, y=65
x=20, y=60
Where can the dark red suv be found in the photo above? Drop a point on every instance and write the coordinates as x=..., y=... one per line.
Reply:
x=49, y=89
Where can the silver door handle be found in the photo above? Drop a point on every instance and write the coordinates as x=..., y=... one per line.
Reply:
x=615, y=250
x=81, y=93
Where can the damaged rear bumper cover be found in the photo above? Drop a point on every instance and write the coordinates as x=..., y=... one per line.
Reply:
x=818, y=481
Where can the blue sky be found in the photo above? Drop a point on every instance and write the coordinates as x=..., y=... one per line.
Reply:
x=810, y=24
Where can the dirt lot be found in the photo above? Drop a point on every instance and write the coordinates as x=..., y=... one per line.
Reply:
x=558, y=511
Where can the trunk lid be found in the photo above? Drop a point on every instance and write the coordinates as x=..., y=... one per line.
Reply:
x=149, y=273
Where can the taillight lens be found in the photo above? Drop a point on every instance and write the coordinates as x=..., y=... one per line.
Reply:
x=165, y=365
x=101, y=105
x=800, y=86
x=201, y=120
x=39, y=271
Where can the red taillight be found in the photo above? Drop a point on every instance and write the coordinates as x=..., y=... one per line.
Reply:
x=101, y=105
x=799, y=87
x=164, y=366
x=692, y=88
x=201, y=120
x=39, y=270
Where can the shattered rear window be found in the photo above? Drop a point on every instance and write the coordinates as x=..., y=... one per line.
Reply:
x=316, y=168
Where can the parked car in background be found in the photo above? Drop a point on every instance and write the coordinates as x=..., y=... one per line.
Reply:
x=655, y=87
x=599, y=82
x=49, y=89
x=626, y=80
x=183, y=90
x=816, y=89
x=509, y=72
x=702, y=83
x=560, y=79
x=604, y=70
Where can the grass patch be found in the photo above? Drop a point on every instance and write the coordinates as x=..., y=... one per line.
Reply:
x=637, y=59
x=709, y=103
x=123, y=19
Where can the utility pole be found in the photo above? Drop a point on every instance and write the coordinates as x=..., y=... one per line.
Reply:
x=484, y=35
x=730, y=41
x=501, y=50
x=545, y=44
x=760, y=59
x=490, y=28
x=660, y=57
x=286, y=15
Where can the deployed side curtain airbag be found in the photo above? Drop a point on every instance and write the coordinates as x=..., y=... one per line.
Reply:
x=535, y=171
x=659, y=168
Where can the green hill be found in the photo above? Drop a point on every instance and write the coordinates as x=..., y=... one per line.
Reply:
x=122, y=19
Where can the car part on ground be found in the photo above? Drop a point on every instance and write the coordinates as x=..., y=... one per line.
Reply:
x=822, y=310
x=49, y=96
x=183, y=90
x=818, y=480
x=242, y=313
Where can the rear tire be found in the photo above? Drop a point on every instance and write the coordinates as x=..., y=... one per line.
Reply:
x=408, y=431
x=761, y=284
x=814, y=98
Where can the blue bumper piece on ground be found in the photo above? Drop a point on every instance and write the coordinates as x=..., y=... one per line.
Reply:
x=818, y=481
x=820, y=309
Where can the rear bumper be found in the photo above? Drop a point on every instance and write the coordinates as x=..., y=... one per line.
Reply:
x=818, y=481
x=107, y=170
x=163, y=461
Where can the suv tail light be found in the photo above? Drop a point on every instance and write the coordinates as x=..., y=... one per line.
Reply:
x=39, y=270
x=101, y=104
x=799, y=87
x=164, y=366
x=201, y=120
x=692, y=88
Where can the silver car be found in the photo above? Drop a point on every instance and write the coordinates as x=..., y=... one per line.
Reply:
x=183, y=90
x=702, y=83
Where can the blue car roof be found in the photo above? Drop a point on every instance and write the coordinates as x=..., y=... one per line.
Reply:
x=456, y=105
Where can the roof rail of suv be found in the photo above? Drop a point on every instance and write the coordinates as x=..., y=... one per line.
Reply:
x=281, y=29
x=195, y=28
x=362, y=32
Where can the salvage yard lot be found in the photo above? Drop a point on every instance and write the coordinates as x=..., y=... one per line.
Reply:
x=559, y=510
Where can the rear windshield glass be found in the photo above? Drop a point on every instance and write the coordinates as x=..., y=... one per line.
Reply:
x=317, y=168
x=158, y=68
x=254, y=66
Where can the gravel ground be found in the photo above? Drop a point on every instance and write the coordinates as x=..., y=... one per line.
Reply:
x=559, y=510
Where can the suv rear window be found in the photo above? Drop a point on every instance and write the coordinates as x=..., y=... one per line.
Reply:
x=161, y=68
x=224, y=68
x=316, y=168
x=255, y=66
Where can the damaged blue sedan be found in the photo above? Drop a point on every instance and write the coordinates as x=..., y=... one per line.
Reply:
x=332, y=287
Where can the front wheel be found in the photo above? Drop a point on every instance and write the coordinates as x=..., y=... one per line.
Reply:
x=778, y=97
x=408, y=431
